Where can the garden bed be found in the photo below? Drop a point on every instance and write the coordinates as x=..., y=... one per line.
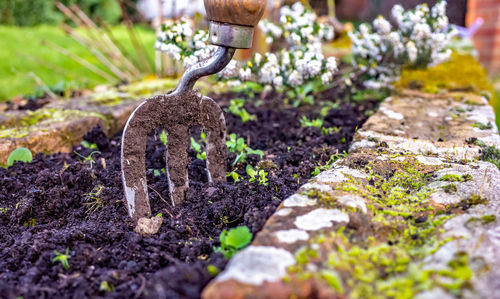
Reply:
x=63, y=201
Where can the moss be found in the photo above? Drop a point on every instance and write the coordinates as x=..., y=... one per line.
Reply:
x=451, y=178
x=491, y=154
x=33, y=120
x=383, y=259
x=452, y=188
x=461, y=72
x=483, y=220
x=482, y=126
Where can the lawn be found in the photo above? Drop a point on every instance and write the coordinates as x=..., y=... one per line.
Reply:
x=24, y=56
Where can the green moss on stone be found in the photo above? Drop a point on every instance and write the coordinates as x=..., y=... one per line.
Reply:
x=34, y=119
x=461, y=72
x=383, y=259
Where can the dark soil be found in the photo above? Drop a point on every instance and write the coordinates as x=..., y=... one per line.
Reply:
x=59, y=201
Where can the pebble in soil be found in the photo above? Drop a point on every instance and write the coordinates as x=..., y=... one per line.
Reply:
x=60, y=201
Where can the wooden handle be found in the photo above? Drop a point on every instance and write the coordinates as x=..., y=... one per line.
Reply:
x=238, y=12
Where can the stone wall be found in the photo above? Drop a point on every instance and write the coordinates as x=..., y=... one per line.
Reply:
x=411, y=211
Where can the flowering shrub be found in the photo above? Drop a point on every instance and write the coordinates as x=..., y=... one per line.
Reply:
x=420, y=40
x=182, y=44
x=290, y=69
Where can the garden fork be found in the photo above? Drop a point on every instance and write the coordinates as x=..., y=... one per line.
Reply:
x=231, y=27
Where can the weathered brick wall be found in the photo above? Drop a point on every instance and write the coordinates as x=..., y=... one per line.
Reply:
x=487, y=39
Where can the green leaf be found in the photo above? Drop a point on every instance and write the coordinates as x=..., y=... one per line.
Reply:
x=21, y=154
x=238, y=237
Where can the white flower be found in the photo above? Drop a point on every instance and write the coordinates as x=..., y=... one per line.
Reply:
x=381, y=25
x=278, y=81
x=257, y=58
x=171, y=50
x=412, y=51
x=233, y=83
x=326, y=78
x=331, y=64
x=295, y=78
x=313, y=68
x=269, y=40
x=190, y=60
x=439, y=9
x=245, y=74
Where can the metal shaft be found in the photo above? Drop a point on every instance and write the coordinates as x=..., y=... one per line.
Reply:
x=213, y=65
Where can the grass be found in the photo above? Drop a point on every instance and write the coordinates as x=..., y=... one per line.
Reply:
x=23, y=52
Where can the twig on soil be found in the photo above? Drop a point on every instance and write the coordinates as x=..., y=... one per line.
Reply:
x=141, y=288
x=158, y=194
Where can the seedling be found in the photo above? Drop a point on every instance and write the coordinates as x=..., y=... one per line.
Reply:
x=163, y=137
x=89, y=145
x=306, y=122
x=236, y=107
x=234, y=175
x=233, y=240
x=238, y=146
x=200, y=154
x=63, y=258
x=94, y=200
x=20, y=154
x=259, y=174
x=89, y=158
x=30, y=223
x=106, y=286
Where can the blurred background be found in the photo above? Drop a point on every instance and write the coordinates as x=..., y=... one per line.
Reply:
x=75, y=45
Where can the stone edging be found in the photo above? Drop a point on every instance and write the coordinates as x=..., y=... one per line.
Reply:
x=411, y=211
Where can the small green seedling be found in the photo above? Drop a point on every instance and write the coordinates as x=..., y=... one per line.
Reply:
x=238, y=146
x=234, y=175
x=306, y=122
x=20, y=154
x=157, y=172
x=63, y=258
x=106, y=286
x=234, y=240
x=259, y=174
x=200, y=154
x=236, y=107
x=89, y=158
x=89, y=145
x=163, y=137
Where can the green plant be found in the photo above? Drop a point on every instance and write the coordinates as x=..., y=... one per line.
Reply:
x=259, y=174
x=200, y=154
x=20, y=154
x=234, y=175
x=238, y=146
x=89, y=158
x=333, y=158
x=234, y=240
x=301, y=94
x=236, y=107
x=63, y=258
x=306, y=122
x=106, y=286
x=482, y=126
x=29, y=223
x=93, y=199
x=163, y=137
x=89, y=145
